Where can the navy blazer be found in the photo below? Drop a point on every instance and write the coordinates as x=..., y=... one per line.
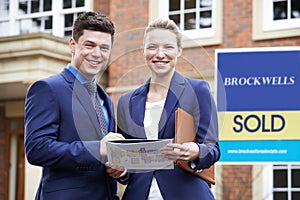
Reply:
x=62, y=135
x=194, y=97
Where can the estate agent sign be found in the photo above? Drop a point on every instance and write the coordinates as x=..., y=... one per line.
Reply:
x=258, y=100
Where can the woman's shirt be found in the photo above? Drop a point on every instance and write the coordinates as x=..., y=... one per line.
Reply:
x=152, y=116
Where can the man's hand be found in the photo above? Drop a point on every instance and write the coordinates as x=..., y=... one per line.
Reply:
x=109, y=136
x=115, y=171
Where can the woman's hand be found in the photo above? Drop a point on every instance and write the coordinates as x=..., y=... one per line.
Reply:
x=187, y=151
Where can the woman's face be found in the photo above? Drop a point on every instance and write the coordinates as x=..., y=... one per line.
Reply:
x=161, y=52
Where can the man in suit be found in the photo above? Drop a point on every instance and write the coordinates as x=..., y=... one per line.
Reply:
x=63, y=133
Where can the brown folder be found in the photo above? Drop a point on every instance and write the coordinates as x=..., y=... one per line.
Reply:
x=185, y=132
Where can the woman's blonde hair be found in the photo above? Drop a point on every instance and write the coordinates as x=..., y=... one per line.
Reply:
x=165, y=24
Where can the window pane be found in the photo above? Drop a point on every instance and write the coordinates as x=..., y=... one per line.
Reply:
x=48, y=23
x=189, y=21
x=205, y=3
x=67, y=4
x=23, y=7
x=35, y=24
x=295, y=195
x=68, y=20
x=189, y=4
x=295, y=9
x=280, y=10
x=280, y=196
x=35, y=6
x=174, y=5
x=47, y=5
x=4, y=8
x=205, y=19
x=296, y=178
x=280, y=178
x=79, y=3
x=176, y=19
x=68, y=33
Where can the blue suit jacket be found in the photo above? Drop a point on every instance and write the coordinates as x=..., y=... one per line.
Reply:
x=62, y=135
x=194, y=97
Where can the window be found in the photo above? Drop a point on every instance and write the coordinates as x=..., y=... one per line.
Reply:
x=281, y=14
x=191, y=14
x=276, y=18
x=287, y=9
x=281, y=182
x=286, y=182
x=200, y=20
x=28, y=16
x=4, y=13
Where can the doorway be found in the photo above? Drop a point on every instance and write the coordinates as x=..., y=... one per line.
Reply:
x=16, y=158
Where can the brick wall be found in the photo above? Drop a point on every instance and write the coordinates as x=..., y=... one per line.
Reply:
x=102, y=6
x=130, y=17
x=237, y=182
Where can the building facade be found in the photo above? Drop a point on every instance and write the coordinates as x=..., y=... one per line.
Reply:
x=34, y=44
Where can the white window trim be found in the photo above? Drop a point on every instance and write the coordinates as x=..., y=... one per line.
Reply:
x=262, y=181
x=56, y=13
x=267, y=175
x=263, y=29
x=192, y=38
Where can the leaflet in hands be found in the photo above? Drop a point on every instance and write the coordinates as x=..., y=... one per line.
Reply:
x=139, y=154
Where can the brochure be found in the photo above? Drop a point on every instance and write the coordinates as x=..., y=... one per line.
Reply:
x=139, y=154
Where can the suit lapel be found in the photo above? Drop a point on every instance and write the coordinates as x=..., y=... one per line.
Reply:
x=175, y=91
x=83, y=97
x=137, y=109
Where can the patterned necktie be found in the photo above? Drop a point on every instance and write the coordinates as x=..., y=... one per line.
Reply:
x=92, y=89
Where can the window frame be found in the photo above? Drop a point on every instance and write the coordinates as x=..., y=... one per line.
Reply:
x=57, y=13
x=193, y=38
x=271, y=25
x=264, y=27
x=268, y=179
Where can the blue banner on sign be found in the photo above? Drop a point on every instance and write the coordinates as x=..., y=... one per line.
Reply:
x=260, y=151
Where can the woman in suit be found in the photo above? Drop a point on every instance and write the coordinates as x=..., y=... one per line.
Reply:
x=149, y=112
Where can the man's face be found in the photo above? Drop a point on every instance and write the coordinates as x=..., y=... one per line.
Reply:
x=91, y=53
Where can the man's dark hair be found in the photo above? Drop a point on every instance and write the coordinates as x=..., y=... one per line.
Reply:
x=94, y=21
